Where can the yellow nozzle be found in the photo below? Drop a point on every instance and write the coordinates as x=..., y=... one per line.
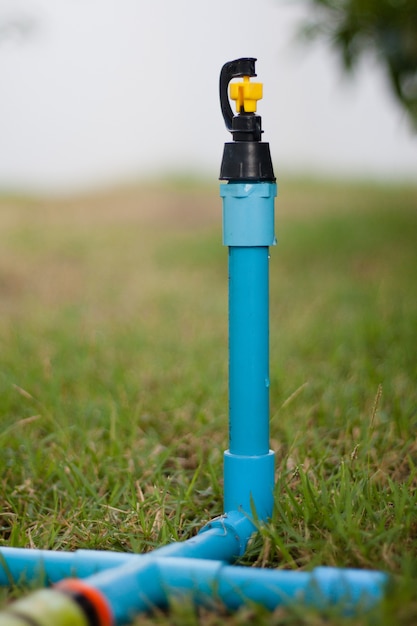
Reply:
x=246, y=95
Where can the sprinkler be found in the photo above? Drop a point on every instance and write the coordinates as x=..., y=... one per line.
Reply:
x=99, y=588
x=248, y=231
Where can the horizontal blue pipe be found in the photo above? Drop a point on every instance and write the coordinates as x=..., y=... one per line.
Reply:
x=224, y=538
x=138, y=587
x=144, y=584
x=235, y=586
x=25, y=565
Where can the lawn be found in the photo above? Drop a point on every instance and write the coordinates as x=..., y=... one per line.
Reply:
x=113, y=379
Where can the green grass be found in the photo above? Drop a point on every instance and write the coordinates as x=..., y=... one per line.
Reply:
x=113, y=380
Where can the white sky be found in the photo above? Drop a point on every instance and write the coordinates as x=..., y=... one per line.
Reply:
x=108, y=90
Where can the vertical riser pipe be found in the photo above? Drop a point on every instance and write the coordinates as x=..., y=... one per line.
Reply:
x=248, y=231
x=248, y=351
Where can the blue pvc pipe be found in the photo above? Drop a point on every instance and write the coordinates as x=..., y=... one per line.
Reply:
x=145, y=582
x=139, y=587
x=224, y=538
x=234, y=586
x=248, y=231
x=25, y=565
x=248, y=351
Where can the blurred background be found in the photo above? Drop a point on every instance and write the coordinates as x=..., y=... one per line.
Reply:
x=97, y=92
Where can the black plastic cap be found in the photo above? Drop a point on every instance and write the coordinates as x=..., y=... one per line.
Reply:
x=247, y=160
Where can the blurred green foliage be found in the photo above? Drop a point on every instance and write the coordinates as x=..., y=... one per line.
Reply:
x=386, y=28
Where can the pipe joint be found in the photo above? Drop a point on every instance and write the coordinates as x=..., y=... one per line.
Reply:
x=248, y=214
x=236, y=527
x=249, y=484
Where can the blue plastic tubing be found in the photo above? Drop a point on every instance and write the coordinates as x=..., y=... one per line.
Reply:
x=224, y=538
x=131, y=590
x=136, y=583
x=248, y=231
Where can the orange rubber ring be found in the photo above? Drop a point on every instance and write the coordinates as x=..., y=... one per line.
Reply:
x=94, y=596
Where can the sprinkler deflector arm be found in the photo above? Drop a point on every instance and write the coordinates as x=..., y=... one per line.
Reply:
x=233, y=69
